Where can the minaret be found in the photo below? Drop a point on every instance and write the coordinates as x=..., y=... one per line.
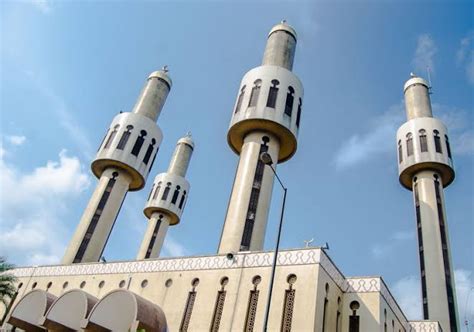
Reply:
x=425, y=167
x=265, y=118
x=167, y=199
x=122, y=164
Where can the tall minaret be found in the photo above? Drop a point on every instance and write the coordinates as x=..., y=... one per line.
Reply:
x=265, y=118
x=122, y=164
x=167, y=199
x=425, y=167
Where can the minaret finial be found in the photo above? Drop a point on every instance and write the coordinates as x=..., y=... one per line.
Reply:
x=165, y=68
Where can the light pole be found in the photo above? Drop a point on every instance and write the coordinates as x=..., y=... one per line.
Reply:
x=267, y=160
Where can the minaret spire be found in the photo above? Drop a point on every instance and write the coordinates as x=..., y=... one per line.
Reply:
x=167, y=199
x=265, y=118
x=426, y=167
x=122, y=164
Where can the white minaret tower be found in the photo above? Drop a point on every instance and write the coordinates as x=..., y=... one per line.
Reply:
x=122, y=164
x=167, y=199
x=425, y=167
x=265, y=118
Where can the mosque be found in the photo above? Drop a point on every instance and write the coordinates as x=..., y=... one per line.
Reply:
x=230, y=291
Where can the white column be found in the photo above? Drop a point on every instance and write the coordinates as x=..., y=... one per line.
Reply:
x=154, y=236
x=91, y=235
x=239, y=203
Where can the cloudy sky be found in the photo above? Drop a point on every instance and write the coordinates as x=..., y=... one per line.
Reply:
x=67, y=68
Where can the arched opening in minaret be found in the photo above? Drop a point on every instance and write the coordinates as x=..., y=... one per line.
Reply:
x=138, y=143
x=272, y=94
x=149, y=151
x=409, y=144
x=240, y=99
x=437, y=140
x=423, y=140
x=255, y=93
x=289, y=101
x=175, y=195
x=124, y=139
x=111, y=136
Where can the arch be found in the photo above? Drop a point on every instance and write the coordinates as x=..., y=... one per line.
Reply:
x=289, y=100
x=151, y=146
x=188, y=310
x=30, y=309
x=166, y=192
x=124, y=139
x=272, y=94
x=423, y=140
x=400, y=151
x=255, y=93
x=138, y=143
x=240, y=99
x=175, y=195
x=298, y=115
x=354, y=321
x=131, y=312
x=68, y=311
x=183, y=198
x=437, y=140
x=252, y=304
x=448, y=147
x=157, y=190
x=409, y=141
x=111, y=136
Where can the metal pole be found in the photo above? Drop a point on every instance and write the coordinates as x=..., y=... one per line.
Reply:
x=275, y=257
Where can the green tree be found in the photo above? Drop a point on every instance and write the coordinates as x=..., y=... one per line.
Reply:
x=7, y=280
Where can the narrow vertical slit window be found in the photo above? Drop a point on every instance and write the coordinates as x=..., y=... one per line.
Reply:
x=272, y=94
x=166, y=192
x=154, y=157
x=423, y=140
x=338, y=314
x=153, y=237
x=289, y=101
x=151, y=191
x=326, y=300
x=95, y=219
x=239, y=100
x=151, y=146
x=111, y=136
x=444, y=247
x=103, y=140
x=124, y=139
x=138, y=143
x=219, y=306
x=354, y=321
x=252, y=305
x=420, y=249
x=409, y=144
x=254, y=196
x=400, y=152
x=183, y=198
x=255, y=93
x=175, y=195
x=437, y=140
x=448, y=147
x=298, y=115
x=188, y=310
x=157, y=190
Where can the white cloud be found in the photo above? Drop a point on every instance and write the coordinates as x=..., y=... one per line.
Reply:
x=424, y=54
x=381, y=135
x=172, y=248
x=407, y=292
x=15, y=139
x=44, y=6
x=34, y=208
x=379, y=139
x=381, y=250
x=465, y=56
x=66, y=118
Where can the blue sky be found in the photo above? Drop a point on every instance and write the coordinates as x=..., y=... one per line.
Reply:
x=67, y=68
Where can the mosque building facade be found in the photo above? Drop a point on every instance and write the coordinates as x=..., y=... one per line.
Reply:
x=229, y=291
